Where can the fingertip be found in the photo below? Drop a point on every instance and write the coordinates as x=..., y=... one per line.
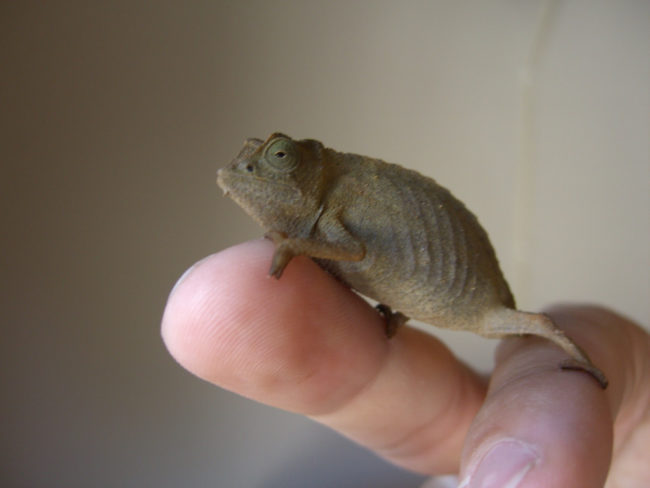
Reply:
x=308, y=344
x=208, y=297
x=190, y=321
x=229, y=323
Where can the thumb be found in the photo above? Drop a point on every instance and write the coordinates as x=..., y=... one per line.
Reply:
x=541, y=426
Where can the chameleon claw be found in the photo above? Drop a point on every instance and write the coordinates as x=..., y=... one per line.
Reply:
x=275, y=273
x=281, y=258
x=392, y=320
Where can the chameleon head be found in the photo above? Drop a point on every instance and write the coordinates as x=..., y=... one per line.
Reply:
x=274, y=180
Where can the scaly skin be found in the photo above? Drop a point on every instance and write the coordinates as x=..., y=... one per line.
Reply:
x=390, y=233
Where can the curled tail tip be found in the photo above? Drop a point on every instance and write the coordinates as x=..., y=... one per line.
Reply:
x=593, y=371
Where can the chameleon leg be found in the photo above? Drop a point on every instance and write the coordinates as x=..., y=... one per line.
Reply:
x=508, y=321
x=392, y=320
x=286, y=248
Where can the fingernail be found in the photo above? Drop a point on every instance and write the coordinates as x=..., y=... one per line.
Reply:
x=505, y=465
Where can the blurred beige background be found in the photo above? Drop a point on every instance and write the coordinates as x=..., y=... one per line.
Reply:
x=114, y=117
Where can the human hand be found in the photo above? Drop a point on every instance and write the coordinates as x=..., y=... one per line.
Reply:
x=307, y=344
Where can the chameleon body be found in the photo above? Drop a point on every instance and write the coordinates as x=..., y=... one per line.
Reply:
x=387, y=232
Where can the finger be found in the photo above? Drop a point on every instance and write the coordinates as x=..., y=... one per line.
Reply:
x=306, y=343
x=541, y=426
x=623, y=349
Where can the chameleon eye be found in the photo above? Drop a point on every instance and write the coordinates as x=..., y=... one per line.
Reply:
x=282, y=155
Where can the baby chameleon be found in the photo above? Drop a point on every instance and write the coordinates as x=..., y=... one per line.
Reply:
x=389, y=233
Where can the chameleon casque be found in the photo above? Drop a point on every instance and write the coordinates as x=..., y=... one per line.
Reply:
x=387, y=232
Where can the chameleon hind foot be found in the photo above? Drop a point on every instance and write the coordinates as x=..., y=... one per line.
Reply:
x=392, y=320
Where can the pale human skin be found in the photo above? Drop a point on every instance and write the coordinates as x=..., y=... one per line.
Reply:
x=309, y=345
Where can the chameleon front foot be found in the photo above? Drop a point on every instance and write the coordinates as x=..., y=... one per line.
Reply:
x=282, y=254
x=281, y=258
x=593, y=371
x=392, y=320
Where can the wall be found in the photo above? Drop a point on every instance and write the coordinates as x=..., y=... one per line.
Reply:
x=116, y=115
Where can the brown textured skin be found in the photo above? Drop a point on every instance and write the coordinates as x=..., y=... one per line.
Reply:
x=388, y=232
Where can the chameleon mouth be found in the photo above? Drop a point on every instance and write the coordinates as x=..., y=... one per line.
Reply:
x=221, y=183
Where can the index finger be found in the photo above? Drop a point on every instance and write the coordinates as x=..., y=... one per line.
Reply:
x=307, y=344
